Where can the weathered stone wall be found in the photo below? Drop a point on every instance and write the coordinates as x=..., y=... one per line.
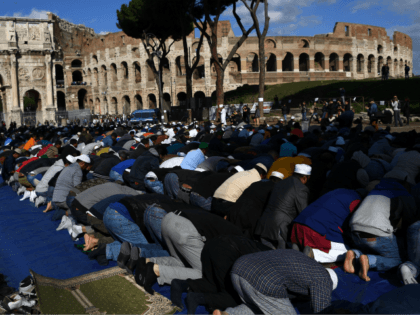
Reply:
x=115, y=77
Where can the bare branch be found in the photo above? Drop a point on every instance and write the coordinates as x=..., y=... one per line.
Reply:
x=238, y=19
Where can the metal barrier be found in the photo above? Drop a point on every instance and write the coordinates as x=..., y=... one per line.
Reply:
x=29, y=118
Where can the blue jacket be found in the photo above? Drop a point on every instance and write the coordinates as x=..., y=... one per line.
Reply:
x=121, y=167
x=192, y=160
x=8, y=166
x=326, y=215
x=373, y=109
x=107, y=141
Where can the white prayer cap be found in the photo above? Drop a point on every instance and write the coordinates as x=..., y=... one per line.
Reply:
x=389, y=137
x=304, y=154
x=187, y=142
x=303, y=169
x=79, y=133
x=212, y=126
x=333, y=149
x=293, y=117
x=137, y=139
x=230, y=157
x=151, y=175
x=83, y=158
x=96, y=147
x=102, y=144
x=69, y=158
x=277, y=174
x=173, y=123
x=220, y=106
x=340, y=141
x=239, y=168
x=127, y=170
x=281, y=119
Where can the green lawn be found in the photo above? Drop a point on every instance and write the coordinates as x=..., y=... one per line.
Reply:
x=309, y=90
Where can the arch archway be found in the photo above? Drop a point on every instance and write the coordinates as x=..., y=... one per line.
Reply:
x=138, y=101
x=95, y=77
x=288, y=63
x=137, y=72
x=200, y=98
x=81, y=97
x=237, y=60
x=360, y=63
x=152, y=101
x=135, y=52
x=371, y=63
x=76, y=63
x=333, y=62
x=180, y=66
x=303, y=43
x=395, y=67
x=59, y=75
x=104, y=74
x=269, y=43
x=77, y=76
x=304, y=62
x=252, y=63
x=32, y=101
x=98, y=106
x=124, y=68
x=114, y=72
x=348, y=62
x=150, y=74
x=114, y=106
x=380, y=49
x=272, y=63
x=95, y=59
x=126, y=105
x=199, y=71
x=319, y=61
x=166, y=100
x=61, y=101
x=182, y=98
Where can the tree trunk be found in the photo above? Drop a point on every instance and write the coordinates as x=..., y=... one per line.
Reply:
x=262, y=76
x=220, y=95
x=188, y=73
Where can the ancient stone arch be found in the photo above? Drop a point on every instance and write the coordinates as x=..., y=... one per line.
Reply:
x=319, y=61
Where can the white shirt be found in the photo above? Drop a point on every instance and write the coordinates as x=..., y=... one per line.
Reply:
x=395, y=105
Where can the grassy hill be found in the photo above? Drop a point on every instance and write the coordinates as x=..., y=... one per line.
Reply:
x=308, y=91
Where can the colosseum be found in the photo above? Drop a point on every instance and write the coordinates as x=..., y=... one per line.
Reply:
x=67, y=67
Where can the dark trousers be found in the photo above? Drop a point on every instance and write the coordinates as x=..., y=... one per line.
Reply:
x=220, y=207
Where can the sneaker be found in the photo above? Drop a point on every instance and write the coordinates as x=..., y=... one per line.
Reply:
x=26, y=195
x=33, y=196
x=39, y=201
x=65, y=224
x=16, y=301
x=27, y=287
x=21, y=190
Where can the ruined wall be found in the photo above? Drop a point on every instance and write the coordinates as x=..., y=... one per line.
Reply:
x=112, y=76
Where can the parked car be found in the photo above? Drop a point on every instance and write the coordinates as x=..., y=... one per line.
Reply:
x=145, y=115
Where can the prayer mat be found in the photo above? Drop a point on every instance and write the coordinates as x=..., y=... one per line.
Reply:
x=29, y=241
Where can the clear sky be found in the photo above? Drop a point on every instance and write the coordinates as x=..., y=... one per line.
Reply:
x=288, y=17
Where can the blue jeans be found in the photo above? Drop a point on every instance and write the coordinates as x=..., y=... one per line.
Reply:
x=304, y=116
x=285, y=118
x=89, y=176
x=153, y=221
x=172, y=185
x=323, y=115
x=31, y=178
x=115, y=176
x=123, y=230
x=199, y=201
x=69, y=200
x=47, y=194
x=384, y=253
x=155, y=186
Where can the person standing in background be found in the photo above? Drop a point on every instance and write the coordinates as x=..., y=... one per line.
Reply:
x=396, y=106
x=406, y=109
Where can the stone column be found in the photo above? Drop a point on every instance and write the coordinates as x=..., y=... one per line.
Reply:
x=365, y=67
x=279, y=64
x=296, y=64
x=311, y=64
x=354, y=66
x=327, y=64
x=49, y=110
x=15, y=112
x=340, y=64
